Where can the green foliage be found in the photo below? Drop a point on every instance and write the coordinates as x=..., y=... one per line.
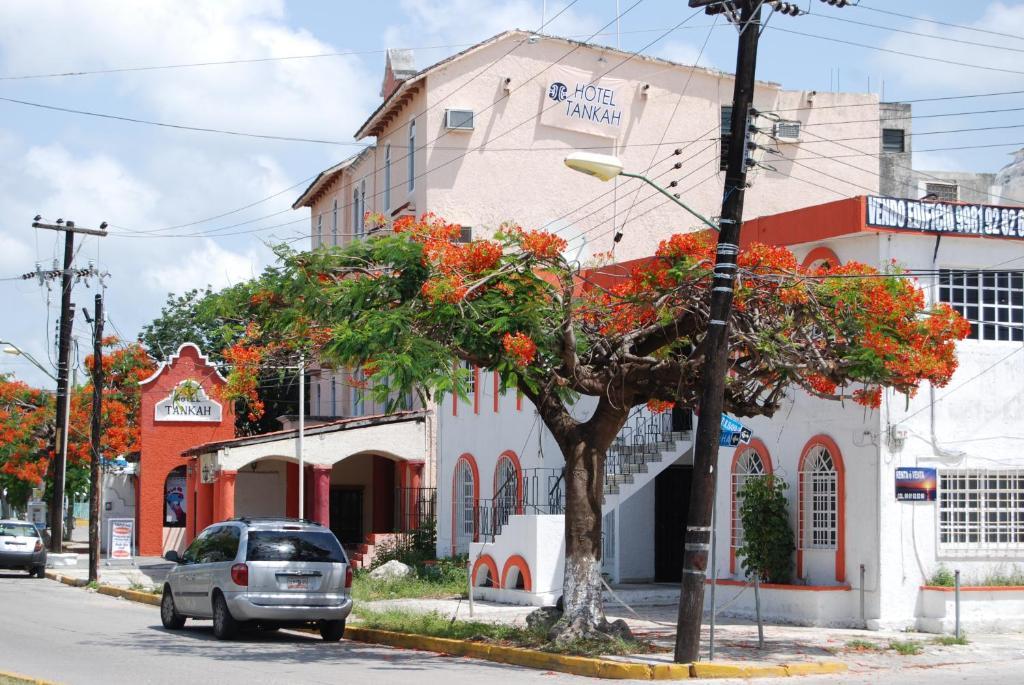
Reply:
x=767, y=548
x=951, y=640
x=435, y=624
x=858, y=645
x=413, y=548
x=441, y=580
x=942, y=577
x=906, y=647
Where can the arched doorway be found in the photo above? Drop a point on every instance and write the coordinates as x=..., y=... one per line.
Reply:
x=175, y=509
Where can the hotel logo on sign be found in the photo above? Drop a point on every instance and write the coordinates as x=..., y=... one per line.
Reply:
x=577, y=101
x=188, y=402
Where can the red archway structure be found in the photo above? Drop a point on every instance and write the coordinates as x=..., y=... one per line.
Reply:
x=517, y=563
x=486, y=561
x=766, y=460
x=821, y=255
x=810, y=449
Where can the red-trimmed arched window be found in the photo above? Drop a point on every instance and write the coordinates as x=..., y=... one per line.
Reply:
x=508, y=486
x=821, y=256
x=465, y=498
x=749, y=461
x=822, y=495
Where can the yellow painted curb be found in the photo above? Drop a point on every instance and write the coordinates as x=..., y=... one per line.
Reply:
x=816, y=668
x=131, y=595
x=29, y=680
x=670, y=671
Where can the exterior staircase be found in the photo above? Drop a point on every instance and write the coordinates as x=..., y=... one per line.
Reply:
x=361, y=556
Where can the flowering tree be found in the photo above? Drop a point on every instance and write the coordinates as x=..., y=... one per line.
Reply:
x=408, y=303
x=27, y=423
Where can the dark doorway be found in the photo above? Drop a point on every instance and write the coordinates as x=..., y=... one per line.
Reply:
x=347, y=515
x=671, y=503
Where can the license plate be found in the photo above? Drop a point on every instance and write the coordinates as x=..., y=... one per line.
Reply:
x=298, y=583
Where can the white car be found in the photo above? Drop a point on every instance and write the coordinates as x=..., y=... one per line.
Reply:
x=22, y=548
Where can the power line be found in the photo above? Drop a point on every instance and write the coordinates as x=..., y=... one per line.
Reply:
x=911, y=101
x=938, y=22
x=896, y=52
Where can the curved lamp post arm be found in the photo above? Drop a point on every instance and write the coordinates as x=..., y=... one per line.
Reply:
x=707, y=222
x=17, y=351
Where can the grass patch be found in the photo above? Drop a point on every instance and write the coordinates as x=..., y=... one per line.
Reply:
x=423, y=584
x=950, y=640
x=859, y=645
x=1002, y=577
x=906, y=647
x=93, y=585
x=434, y=624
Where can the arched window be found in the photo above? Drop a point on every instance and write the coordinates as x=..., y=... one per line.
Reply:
x=465, y=497
x=175, y=499
x=749, y=462
x=822, y=501
x=387, y=178
x=508, y=487
x=819, y=490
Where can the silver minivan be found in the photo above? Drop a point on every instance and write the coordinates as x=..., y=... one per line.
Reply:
x=266, y=573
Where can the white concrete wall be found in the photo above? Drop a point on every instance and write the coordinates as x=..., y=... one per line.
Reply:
x=832, y=608
x=119, y=495
x=635, y=540
x=540, y=541
x=261, y=492
x=1000, y=610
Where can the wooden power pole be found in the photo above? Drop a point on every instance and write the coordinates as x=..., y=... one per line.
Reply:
x=95, y=473
x=63, y=367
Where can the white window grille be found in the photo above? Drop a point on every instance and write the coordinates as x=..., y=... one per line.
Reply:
x=749, y=465
x=506, y=489
x=471, y=383
x=981, y=510
x=993, y=301
x=787, y=130
x=464, y=504
x=334, y=222
x=946, y=192
x=387, y=178
x=819, y=511
x=411, y=155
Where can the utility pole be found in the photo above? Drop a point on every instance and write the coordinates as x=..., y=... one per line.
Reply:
x=709, y=418
x=746, y=14
x=63, y=388
x=95, y=474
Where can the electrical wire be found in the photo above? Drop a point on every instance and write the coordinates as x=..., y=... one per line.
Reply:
x=937, y=22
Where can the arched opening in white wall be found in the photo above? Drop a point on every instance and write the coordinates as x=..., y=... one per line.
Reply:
x=508, y=487
x=749, y=462
x=485, y=572
x=821, y=536
x=465, y=495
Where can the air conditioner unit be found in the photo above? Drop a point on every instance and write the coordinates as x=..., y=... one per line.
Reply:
x=458, y=119
x=787, y=130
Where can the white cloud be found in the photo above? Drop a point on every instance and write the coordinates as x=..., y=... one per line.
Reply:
x=323, y=97
x=462, y=21
x=210, y=264
x=920, y=74
x=683, y=53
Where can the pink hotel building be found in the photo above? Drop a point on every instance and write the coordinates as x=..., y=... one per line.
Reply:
x=479, y=138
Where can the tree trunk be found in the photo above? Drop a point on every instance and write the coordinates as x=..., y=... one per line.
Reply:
x=582, y=590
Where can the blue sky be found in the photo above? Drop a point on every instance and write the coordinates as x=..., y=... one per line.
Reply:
x=141, y=178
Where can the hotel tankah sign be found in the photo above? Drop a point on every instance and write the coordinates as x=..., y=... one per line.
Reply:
x=188, y=402
x=945, y=217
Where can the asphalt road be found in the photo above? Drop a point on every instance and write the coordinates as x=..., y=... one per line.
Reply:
x=71, y=636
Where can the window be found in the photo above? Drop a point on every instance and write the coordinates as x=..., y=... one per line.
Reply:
x=334, y=396
x=819, y=512
x=464, y=503
x=220, y=546
x=981, y=509
x=175, y=499
x=411, y=155
x=387, y=178
x=726, y=133
x=945, y=192
x=465, y=234
x=506, y=489
x=319, y=408
x=749, y=465
x=319, y=230
x=362, y=207
x=458, y=119
x=471, y=381
x=993, y=301
x=334, y=222
x=280, y=545
x=893, y=140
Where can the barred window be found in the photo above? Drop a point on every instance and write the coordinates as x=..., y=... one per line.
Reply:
x=819, y=510
x=993, y=301
x=946, y=192
x=749, y=465
x=981, y=509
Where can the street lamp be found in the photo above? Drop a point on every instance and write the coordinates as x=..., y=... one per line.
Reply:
x=607, y=167
x=16, y=351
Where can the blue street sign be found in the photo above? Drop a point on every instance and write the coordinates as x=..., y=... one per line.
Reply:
x=733, y=432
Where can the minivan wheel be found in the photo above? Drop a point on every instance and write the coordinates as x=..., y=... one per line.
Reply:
x=225, y=627
x=169, y=615
x=37, y=571
x=332, y=631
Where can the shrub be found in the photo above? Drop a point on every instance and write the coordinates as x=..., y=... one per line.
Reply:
x=942, y=577
x=906, y=647
x=767, y=548
x=409, y=548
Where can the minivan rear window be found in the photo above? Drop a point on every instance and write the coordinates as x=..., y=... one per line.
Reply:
x=287, y=545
